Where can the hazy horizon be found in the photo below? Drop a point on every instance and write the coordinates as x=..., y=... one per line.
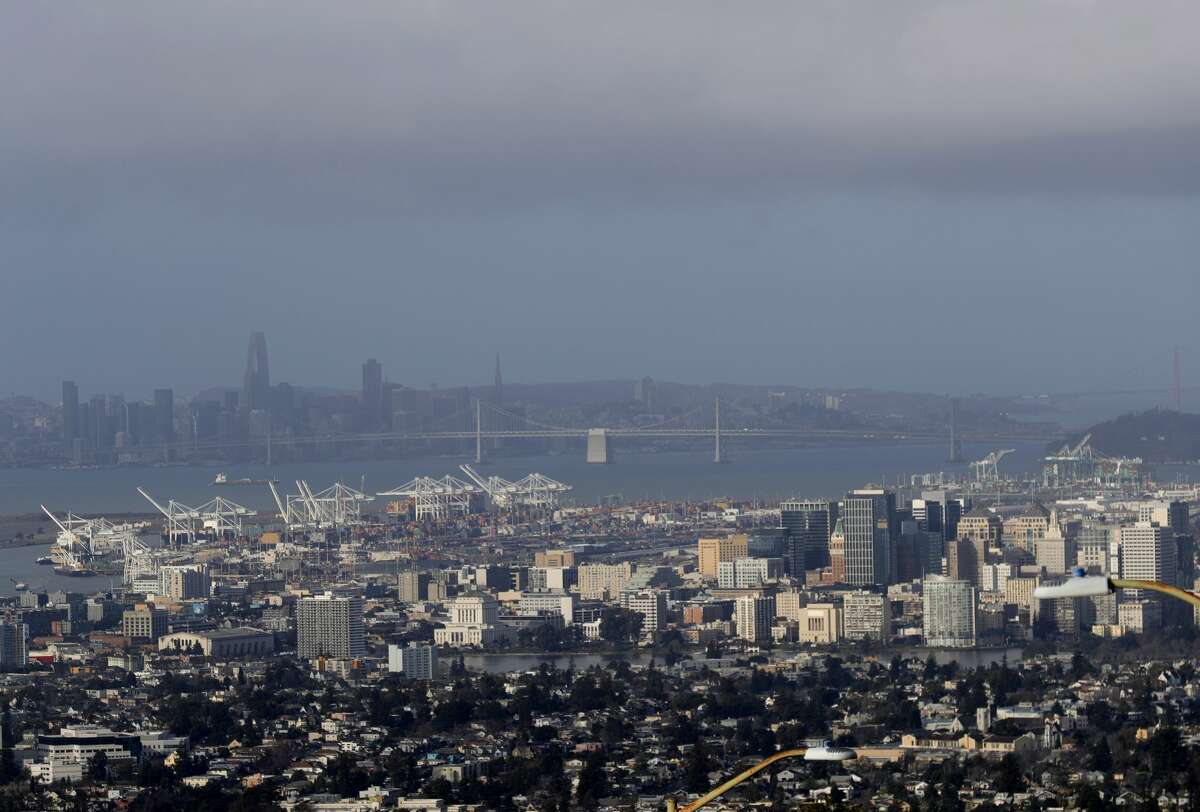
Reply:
x=930, y=196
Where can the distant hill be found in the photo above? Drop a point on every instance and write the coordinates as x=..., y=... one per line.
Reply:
x=1158, y=435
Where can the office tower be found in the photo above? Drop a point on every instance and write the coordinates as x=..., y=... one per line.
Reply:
x=206, y=419
x=866, y=616
x=766, y=543
x=70, y=407
x=164, y=415
x=645, y=393
x=939, y=511
x=754, y=615
x=955, y=435
x=1028, y=529
x=837, y=552
x=256, y=385
x=372, y=394
x=713, y=551
x=1055, y=551
x=413, y=587
x=651, y=604
x=98, y=415
x=1172, y=515
x=965, y=559
x=807, y=525
x=1092, y=547
x=132, y=423
x=598, y=582
x=328, y=626
x=912, y=552
x=1148, y=554
x=867, y=518
x=144, y=622
x=13, y=652
x=414, y=662
x=982, y=525
x=185, y=582
x=498, y=387
x=949, y=613
x=748, y=573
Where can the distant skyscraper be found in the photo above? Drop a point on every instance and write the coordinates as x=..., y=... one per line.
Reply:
x=98, y=413
x=498, y=387
x=70, y=407
x=948, y=612
x=164, y=415
x=807, y=525
x=13, y=651
x=330, y=627
x=645, y=392
x=867, y=517
x=372, y=394
x=256, y=386
x=955, y=436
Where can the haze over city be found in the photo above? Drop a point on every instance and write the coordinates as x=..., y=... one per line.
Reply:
x=833, y=194
x=540, y=406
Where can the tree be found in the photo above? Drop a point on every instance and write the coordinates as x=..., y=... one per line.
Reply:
x=98, y=767
x=1008, y=775
x=1102, y=755
x=695, y=775
x=593, y=782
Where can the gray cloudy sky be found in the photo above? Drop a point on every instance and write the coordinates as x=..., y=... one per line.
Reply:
x=951, y=196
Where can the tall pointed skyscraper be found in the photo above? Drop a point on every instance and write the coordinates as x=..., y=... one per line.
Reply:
x=498, y=390
x=256, y=386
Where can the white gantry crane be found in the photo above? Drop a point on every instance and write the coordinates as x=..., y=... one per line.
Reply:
x=219, y=516
x=436, y=499
x=73, y=548
x=335, y=507
x=987, y=469
x=534, y=492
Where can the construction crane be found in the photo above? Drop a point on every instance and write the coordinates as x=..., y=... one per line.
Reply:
x=987, y=469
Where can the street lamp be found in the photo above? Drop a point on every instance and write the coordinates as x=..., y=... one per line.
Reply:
x=1081, y=585
x=822, y=752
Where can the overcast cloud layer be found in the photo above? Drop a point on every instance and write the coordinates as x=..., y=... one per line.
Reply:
x=831, y=189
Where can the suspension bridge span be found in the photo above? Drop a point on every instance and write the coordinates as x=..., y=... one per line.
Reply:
x=487, y=426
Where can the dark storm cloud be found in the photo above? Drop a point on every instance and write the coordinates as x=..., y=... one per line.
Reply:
x=950, y=196
x=393, y=106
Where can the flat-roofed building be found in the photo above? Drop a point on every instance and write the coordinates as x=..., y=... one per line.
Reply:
x=414, y=662
x=602, y=582
x=819, y=624
x=866, y=616
x=554, y=558
x=144, y=622
x=329, y=626
x=949, y=613
x=222, y=644
x=712, y=551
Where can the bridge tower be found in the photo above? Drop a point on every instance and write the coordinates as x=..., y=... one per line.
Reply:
x=597, y=446
x=717, y=458
x=955, y=438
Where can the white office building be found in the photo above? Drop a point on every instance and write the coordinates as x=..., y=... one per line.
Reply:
x=748, y=573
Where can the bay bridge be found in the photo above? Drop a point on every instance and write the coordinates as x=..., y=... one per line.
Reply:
x=487, y=425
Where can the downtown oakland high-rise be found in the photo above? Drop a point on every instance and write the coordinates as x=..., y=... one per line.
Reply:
x=329, y=626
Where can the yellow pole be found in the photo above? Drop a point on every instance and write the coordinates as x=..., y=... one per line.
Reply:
x=1154, y=586
x=712, y=795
